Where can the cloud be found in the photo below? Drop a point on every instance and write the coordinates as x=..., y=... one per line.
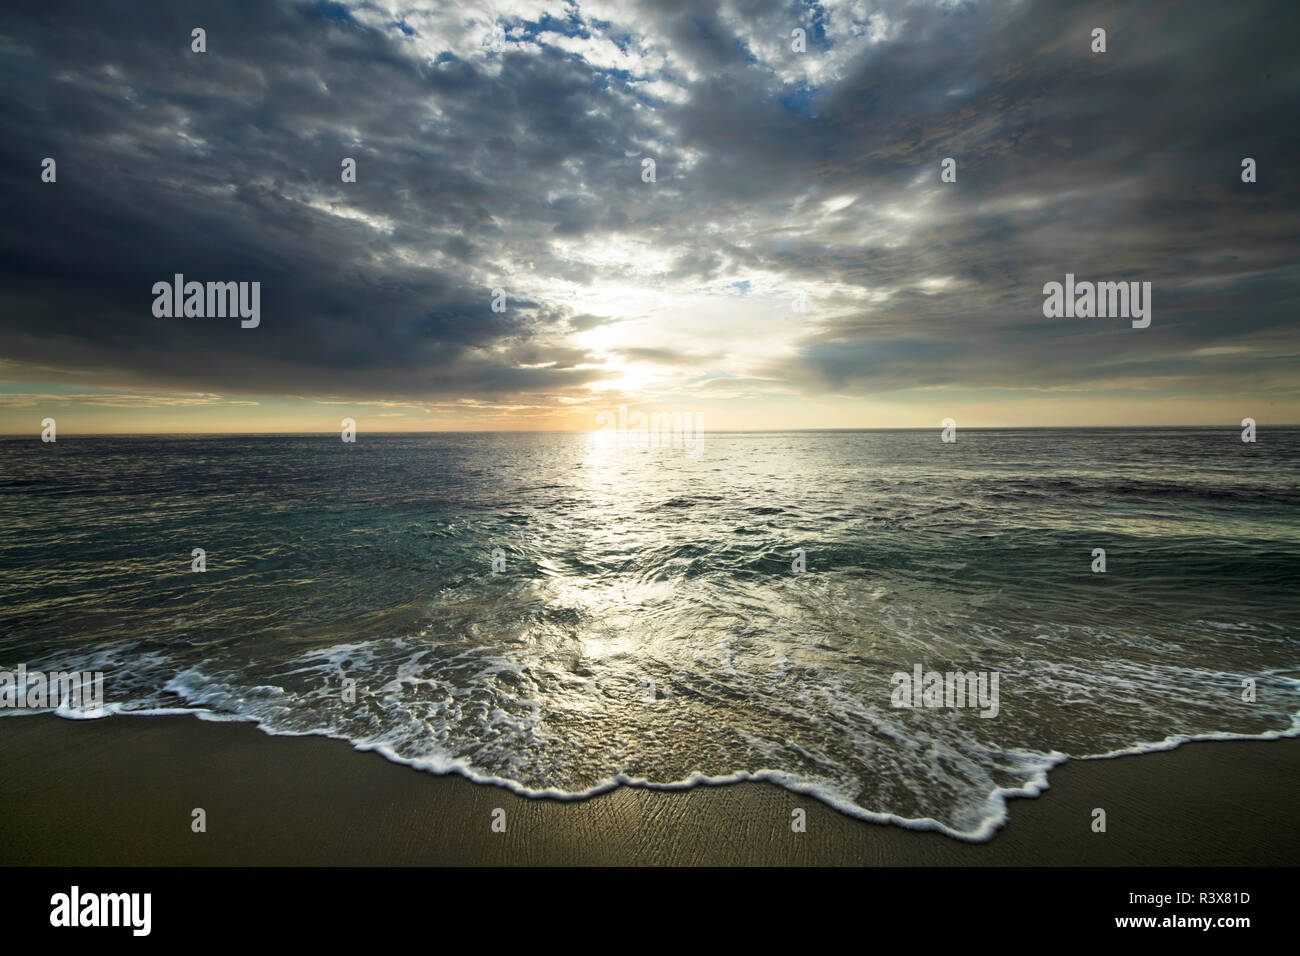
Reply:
x=660, y=356
x=517, y=166
x=118, y=400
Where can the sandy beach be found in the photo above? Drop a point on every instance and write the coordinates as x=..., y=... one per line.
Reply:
x=120, y=791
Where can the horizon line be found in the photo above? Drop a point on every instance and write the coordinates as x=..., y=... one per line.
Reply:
x=597, y=431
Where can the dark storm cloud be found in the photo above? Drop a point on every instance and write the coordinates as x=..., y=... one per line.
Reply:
x=222, y=166
x=478, y=170
x=1125, y=165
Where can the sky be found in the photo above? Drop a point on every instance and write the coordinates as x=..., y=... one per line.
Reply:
x=500, y=153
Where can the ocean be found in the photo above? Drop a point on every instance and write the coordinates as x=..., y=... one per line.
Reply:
x=559, y=613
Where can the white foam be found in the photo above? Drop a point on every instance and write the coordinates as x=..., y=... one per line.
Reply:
x=955, y=763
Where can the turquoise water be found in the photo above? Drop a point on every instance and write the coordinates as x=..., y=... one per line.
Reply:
x=648, y=626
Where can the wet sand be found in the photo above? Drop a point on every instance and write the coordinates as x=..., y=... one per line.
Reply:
x=120, y=791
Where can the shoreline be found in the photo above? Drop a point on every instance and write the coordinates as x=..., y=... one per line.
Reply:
x=120, y=791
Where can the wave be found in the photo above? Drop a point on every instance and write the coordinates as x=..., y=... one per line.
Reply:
x=401, y=732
